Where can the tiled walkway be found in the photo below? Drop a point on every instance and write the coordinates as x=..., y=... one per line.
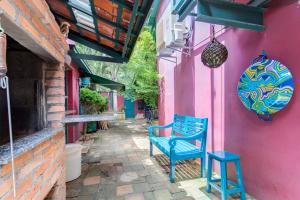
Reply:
x=118, y=167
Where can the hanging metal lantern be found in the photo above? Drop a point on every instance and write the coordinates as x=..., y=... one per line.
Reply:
x=215, y=53
x=3, y=66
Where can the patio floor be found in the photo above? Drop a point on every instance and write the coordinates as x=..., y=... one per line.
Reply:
x=117, y=166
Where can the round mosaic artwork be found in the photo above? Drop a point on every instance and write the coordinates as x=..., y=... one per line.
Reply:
x=266, y=87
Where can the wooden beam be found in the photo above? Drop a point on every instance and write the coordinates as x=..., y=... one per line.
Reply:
x=186, y=9
x=230, y=14
x=132, y=18
x=111, y=23
x=128, y=6
x=88, y=29
x=95, y=20
x=258, y=3
x=119, y=17
x=95, y=57
x=92, y=44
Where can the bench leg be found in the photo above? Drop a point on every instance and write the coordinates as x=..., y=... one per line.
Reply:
x=240, y=180
x=172, y=170
x=151, y=149
x=224, y=180
x=209, y=174
x=203, y=163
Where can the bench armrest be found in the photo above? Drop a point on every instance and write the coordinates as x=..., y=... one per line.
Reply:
x=172, y=141
x=151, y=128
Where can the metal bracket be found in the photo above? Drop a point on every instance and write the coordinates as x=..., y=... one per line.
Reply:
x=182, y=50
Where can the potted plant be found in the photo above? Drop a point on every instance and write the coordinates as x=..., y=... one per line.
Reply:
x=93, y=103
x=121, y=114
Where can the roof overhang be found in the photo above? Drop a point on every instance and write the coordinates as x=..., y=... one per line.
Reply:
x=109, y=26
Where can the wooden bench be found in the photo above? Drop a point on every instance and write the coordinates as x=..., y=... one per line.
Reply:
x=187, y=141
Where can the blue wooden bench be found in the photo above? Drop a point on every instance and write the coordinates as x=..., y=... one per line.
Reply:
x=181, y=145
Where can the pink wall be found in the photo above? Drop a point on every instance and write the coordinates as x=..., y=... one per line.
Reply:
x=136, y=108
x=74, y=130
x=120, y=100
x=269, y=152
x=106, y=94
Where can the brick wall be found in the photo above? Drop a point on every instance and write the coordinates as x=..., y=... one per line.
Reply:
x=41, y=169
x=37, y=171
x=55, y=94
x=31, y=23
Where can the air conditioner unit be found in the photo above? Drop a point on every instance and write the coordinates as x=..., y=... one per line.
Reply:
x=170, y=33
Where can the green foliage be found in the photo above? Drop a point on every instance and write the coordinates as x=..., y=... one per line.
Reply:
x=142, y=70
x=92, y=101
x=139, y=75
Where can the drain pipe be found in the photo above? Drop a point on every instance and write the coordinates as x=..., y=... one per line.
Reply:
x=5, y=85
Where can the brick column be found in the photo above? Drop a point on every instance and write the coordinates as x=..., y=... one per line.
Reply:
x=55, y=94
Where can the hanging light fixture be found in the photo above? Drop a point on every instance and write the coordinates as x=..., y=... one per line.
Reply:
x=215, y=53
x=3, y=42
x=4, y=84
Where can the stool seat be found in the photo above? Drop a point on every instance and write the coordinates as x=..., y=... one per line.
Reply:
x=223, y=156
x=227, y=187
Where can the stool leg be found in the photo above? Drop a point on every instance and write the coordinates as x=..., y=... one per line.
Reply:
x=172, y=170
x=209, y=174
x=240, y=179
x=151, y=149
x=224, y=180
x=202, y=172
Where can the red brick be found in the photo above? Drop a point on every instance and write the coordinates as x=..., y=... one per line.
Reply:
x=34, y=191
x=48, y=174
x=51, y=49
x=5, y=187
x=56, y=109
x=8, y=8
x=56, y=125
x=5, y=169
x=30, y=29
x=28, y=168
x=55, y=116
x=55, y=99
x=22, y=7
x=55, y=91
x=49, y=152
x=26, y=185
x=55, y=82
x=55, y=74
x=22, y=159
x=58, y=135
x=40, y=26
x=41, y=170
x=40, y=147
x=9, y=196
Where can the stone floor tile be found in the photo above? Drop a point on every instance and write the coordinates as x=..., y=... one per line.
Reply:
x=149, y=196
x=135, y=196
x=93, y=180
x=120, y=157
x=124, y=189
x=89, y=190
x=162, y=194
x=141, y=187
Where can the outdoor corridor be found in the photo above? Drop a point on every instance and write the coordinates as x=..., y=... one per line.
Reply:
x=117, y=166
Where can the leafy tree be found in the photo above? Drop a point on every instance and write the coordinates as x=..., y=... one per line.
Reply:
x=139, y=75
x=92, y=101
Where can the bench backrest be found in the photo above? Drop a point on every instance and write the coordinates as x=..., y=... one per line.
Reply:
x=189, y=126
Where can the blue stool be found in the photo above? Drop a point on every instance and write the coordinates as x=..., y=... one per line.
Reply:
x=224, y=157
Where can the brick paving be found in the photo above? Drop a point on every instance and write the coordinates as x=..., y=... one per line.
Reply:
x=118, y=167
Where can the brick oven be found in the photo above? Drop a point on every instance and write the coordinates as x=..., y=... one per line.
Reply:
x=36, y=52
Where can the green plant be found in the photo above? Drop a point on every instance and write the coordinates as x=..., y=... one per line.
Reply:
x=122, y=109
x=92, y=101
x=139, y=75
